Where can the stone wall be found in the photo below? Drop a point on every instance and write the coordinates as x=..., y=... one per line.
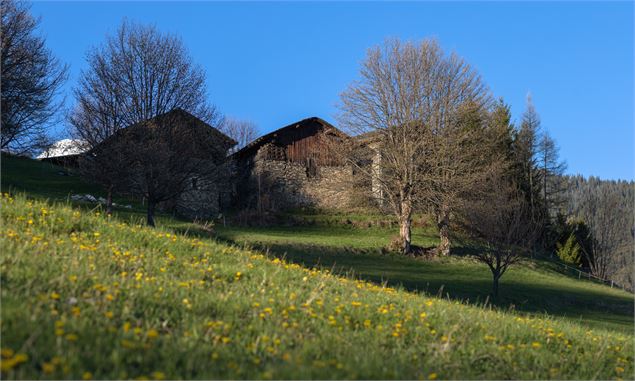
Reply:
x=207, y=196
x=278, y=185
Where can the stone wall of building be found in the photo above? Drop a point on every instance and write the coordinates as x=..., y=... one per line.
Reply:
x=278, y=185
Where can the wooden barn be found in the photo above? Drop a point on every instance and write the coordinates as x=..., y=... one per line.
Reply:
x=294, y=166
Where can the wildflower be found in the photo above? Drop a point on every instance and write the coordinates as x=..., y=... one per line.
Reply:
x=109, y=314
x=48, y=368
x=158, y=375
x=619, y=369
x=6, y=352
x=356, y=304
x=536, y=345
x=153, y=334
x=87, y=376
x=71, y=337
x=432, y=376
x=55, y=295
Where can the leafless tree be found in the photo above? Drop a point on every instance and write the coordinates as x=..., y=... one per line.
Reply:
x=30, y=80
x=410, y=104
x=137, y=75
x=496, y=224
x=611, y=228
x=163, y=156
x=242, y=131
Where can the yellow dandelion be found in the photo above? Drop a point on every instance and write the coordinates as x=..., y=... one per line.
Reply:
x=536, y=345
x=153, y=334
x=71, y=337
x=432, y=376
x=48, y=368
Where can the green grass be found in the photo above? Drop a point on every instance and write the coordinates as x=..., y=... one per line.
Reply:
x=91, y=296
x=534, y=286
x=85, y=295
x=46, y=181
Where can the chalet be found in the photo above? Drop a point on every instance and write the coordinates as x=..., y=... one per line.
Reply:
x=293, y=167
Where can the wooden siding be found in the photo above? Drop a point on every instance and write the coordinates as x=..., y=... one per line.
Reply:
x=302, y=145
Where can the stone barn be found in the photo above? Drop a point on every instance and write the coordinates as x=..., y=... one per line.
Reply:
x=293, y=167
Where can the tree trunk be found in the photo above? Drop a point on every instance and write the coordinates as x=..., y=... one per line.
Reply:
x=405, y=227
x=109, y=202
x=496, y=277
x=151, y=204
x=443, y=223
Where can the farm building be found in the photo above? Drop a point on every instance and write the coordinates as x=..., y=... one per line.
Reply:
x=292, y=167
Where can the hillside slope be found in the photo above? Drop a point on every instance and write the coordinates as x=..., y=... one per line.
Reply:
x=339, y=241
x=90, y=296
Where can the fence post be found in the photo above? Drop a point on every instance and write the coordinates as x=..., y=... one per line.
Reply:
x=579, y=274
x=611, y=284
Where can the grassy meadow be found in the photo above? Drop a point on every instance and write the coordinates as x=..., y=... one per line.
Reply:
x=86, y=296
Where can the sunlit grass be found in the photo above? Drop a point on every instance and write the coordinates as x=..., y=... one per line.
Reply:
x=86, y=296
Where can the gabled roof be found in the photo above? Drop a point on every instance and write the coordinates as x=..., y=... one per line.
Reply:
x=184, y=115
x=304, y=123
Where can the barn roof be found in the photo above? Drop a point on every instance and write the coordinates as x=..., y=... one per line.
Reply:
x=252, y=147
x=184, y=115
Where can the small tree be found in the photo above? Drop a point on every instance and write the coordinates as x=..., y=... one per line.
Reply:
x=30, y=79
x=497, y=227
x=569, y=252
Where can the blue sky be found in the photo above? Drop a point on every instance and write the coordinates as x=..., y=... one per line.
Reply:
x=275, y=63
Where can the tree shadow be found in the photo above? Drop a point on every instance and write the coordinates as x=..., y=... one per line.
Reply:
x=467, y=281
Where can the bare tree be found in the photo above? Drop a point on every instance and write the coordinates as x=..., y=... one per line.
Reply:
x=30, y=80
x=408, y=103
x=497, y=226
x=163, y=156
x=242, y=131
x=611, y=227
x=137, y=75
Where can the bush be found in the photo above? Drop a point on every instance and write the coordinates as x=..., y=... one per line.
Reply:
x=569, y=252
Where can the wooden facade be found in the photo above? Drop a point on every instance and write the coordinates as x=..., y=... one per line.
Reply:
x=309, y=141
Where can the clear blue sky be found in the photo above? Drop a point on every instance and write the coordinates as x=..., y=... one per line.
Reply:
x=275, y=63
